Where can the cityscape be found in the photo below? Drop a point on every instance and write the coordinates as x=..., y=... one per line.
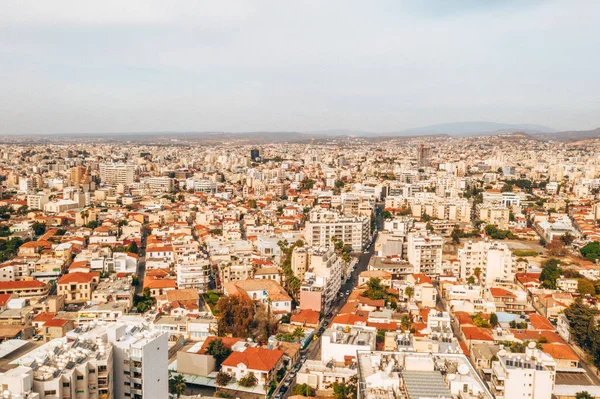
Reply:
x=298, y=200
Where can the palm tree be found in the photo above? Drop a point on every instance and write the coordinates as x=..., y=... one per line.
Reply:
x=477, y=273
x=409, y=292
x=177, y=385
x=298, y=333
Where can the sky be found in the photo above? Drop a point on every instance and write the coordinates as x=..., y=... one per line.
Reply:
x=379, y=66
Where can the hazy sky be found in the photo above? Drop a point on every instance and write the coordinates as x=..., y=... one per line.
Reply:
x=124, y=65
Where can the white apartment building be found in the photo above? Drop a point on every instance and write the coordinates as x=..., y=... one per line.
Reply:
x=325, y=226
x=496, y=214
x=18, y=383
x=193, y=273
x=202, y=186
x=339, y=342
x=424, y=253
x=493, y=258
x=114, y=173
x=62, y=369
x=523, y=375
x=140, y=358
x=323, y=278
x=37, y=201
x=160, y=184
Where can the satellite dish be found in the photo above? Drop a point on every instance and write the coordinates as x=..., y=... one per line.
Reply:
x=531, y=345
x=502, y=353
x=451, y=377
x=463, y=369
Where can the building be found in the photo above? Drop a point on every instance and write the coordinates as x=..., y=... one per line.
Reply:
x=65, y=369
x=322, y=281
x=423, y=156
x=424, y=253
x=254, y=154
x=37, y=201
x=160, y=184
x=25, y=288
x=325, y=226
x=495, y=214
x=78, y=287
x=140, y=357
x=321, y=375
x=114, y=173
x=193, y=273
x=339, y=343
x=263, y=291
x=528, y=375
x=492, y=258
x=418, y=375
x=263, y=363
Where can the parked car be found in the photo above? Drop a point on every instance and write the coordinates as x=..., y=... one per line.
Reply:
x=303, y=358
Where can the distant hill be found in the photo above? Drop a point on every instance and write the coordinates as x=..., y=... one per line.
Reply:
x=462, y=129
x=571, y=135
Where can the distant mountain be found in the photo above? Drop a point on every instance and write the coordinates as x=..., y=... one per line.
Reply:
x=571, y=135
x=462, y=129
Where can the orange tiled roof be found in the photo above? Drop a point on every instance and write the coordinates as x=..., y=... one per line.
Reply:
x=255, y=358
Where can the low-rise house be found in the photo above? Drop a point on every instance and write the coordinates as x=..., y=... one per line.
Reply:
x=263, y=363
x=78, y=287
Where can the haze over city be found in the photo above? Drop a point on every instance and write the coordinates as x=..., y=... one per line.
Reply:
x=239, y=66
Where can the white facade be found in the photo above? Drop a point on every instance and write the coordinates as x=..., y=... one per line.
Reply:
x=340, y=342
x=112, y=173
x=528, y=375
x=323, y=227
x=493, y=258
x=424, y=252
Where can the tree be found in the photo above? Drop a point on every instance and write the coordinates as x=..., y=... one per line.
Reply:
x=133, y=248
x=386, y=215
x=567, y=238
x=409, y=292
x=583, y=395
x=556, y=247
x=591, y=251
x=177, y=384
x=223, y=378
x=345, y=390
x=456, y=233
x=405, y=322
x=218, y=351
x=304, y=390
x=494, y=319
x=298, y=333
x=471, y=280
x=236, y=316
x=375, y=290
x=477, y=274
x=582, y=325
x=585, y=287
x=550, y=273
x=248, y=381
x=38, y=228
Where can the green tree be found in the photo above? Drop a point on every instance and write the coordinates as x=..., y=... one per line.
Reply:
x=248, y=381
x=133, y=248
x=494, y=319
x=298, y=333
x=456, y=234
x=405, y=322
x=585, y=287
x=550, y=273
x=386, y=215
x=38, y=228
x=591, y=251
x=409, y=292
x=583, y=395
x=218, y=351
x=177, y=384
x=471, y=280
x=304, y=390
x=582, y=325
x=375, y=290
x=345, y=390
x=223, y=378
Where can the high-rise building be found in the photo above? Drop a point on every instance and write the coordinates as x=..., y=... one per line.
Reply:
x=325, y=226
x=424, y=252
x=79, y=175
x=493, y=259
x=423, y=155
x=113, y=173
x=254, y=154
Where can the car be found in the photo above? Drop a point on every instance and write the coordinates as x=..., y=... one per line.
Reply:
x=326, y=323
x=347, y=292
x=38, y=337
x=303, y=358
x=321, y=330
x=278, y=396
x=283, y=390
x=293, y=374
x=286, y=383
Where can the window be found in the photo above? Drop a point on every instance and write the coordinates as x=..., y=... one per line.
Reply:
x=79, y=378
